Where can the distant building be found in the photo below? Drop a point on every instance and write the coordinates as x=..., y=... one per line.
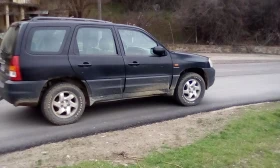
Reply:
x=16, y=10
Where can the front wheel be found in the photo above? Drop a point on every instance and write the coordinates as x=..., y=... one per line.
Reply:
x=63, y=104
x=190, y=89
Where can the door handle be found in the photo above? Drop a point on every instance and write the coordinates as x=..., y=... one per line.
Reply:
x=85, y=65
x=134, y=63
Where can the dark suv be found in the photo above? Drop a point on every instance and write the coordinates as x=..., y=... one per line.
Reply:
x=66, y=64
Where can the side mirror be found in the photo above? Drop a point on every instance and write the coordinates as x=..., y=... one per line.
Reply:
x=160, y=51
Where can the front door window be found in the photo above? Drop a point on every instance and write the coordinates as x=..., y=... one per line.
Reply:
x=136, y=43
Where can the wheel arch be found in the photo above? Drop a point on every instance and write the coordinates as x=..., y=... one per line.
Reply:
x=198, y=71
x=73, y=80
x=179, y=87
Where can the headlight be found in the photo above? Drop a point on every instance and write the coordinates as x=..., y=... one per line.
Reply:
x=210, y=63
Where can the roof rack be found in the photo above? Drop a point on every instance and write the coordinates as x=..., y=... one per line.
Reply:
x=68, y=19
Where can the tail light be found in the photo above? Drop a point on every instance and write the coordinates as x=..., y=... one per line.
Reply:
x=14, y=69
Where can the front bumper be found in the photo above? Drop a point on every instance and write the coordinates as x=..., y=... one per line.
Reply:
x=210, y=76
x=23, y=93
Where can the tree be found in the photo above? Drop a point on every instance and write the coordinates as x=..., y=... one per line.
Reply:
x=213, y=21
x=139, y=5
x=200, y=21
x=99, y=9
x=263, y=21
x=77, y=8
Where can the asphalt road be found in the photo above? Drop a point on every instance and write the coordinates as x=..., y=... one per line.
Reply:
x=236, y=84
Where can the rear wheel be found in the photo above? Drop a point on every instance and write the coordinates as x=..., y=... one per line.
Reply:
x=190, y=89
x=63, y=104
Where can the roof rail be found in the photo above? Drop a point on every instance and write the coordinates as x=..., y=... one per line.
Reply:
x=68, y=19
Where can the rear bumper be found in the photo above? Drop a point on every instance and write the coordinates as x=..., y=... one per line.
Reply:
x=23, y=93
x=210, y=76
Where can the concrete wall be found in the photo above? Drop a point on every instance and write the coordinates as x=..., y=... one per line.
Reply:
x=225, y=49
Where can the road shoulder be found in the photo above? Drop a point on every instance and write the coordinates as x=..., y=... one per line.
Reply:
x=122, y=146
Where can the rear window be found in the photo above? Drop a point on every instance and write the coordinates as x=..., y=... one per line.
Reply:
x=9, y=42
x=49, y=40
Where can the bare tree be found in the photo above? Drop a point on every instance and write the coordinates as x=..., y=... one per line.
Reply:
x=213, y=21
x=263, y=21
x=138, y=5
x=99, y=9
x=78, y=8
x=140, y=12
x=197, y=21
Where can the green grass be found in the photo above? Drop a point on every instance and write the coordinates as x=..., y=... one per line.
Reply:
x=253, y=140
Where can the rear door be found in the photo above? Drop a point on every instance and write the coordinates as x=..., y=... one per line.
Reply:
x=146, y=73
x=44, y=51
x=96, y=58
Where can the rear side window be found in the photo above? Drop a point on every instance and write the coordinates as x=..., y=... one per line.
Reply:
x=95, y=42
x=9, y=42
x=48, y=40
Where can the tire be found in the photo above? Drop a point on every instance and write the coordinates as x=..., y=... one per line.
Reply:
x=186, y=82
x=58, y=100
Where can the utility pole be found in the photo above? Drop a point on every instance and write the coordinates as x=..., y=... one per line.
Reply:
x=99, y=9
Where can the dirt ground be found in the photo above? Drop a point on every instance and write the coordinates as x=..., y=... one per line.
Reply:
x=123, y=146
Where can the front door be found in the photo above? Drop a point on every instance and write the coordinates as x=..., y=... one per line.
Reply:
x=95, y=57
x=146, y=73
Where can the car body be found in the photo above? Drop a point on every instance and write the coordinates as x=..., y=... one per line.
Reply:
x=105, y=61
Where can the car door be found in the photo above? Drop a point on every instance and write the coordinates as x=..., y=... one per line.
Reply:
x=146, y=73
x=96, y=58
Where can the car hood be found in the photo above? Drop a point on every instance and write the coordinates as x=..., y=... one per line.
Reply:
x=189, y=57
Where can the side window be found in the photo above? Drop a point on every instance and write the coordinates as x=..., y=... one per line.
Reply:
x=95, y=41
x=136, y=43
x=47, y=40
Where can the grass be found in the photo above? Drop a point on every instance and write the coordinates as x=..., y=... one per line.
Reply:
x=253, y=140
